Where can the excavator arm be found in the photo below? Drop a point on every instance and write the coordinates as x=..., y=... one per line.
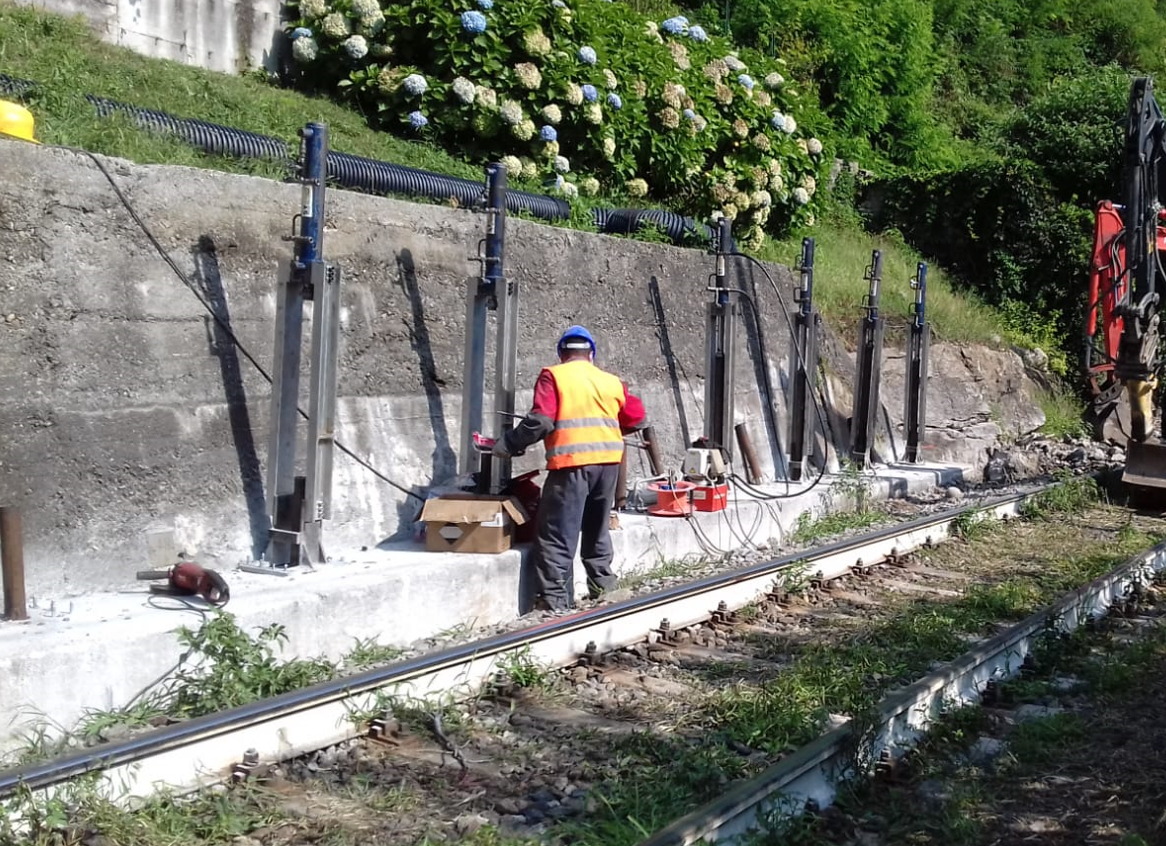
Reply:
x=1126, y=279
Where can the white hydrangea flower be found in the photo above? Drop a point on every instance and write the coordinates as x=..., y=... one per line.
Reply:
x=561, y=165
x=551, y=113
x=791, y=125
x=528, y=75
x=734, y=64
x=777, y=183
x=365, y=8
x=730, y=211
x=305, y=50
x=335, y=25
x=487, y=97
x=313, y=9
x=589, y=186
x=372, y=24
x=570, y=191
x=536, y=43
x=529, y=168
x=512, y=164
x=810, y=184
x=574, y=94
x=463, y=89
x=608, y=146
x=762, y=199
x=801, y=196
x=511, y=112
x=637, y=187
x=356, y=47
x=814, y=146
x=593, y=113
x=774, y=80
x=610, y=79
x=524, y=130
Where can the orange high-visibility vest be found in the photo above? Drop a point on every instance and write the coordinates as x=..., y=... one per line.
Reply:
x=587, y=425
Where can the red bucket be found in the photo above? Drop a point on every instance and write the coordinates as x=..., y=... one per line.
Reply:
x=671, y=499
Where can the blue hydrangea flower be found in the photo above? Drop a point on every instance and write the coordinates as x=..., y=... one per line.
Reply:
x=675, y=26
x=415, y=84
x=746, y=80
x=548, y=134
x=301, y=32
x=778, y=120
x=486, y=4
x=614, y=101
x=558, y=4
x=587, y=55
x=474, y=22
x=689, y=113
x=589, y=93
x=697, y=33
x=418, y=120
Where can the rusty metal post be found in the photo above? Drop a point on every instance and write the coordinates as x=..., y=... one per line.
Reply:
x=649, y=436
x=12, y=564
x=621, y=483
x=747, y=453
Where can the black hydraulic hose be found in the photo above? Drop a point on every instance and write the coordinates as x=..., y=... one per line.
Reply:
x=49, y=773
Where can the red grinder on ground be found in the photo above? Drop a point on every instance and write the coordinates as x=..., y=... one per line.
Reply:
x=189, y=579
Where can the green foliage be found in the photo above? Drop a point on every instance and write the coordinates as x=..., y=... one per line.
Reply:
x=650, y=109
x=1001, y=230
x=871, y=63
x=225, y=667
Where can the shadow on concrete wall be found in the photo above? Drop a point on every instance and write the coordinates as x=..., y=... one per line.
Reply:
x=444, y=457
x=759, y=354
x=222, y=345
x=661, y=319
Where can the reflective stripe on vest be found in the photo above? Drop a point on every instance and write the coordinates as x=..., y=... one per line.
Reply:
x=587, y=426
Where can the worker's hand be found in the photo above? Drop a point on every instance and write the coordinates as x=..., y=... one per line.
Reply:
x=500, y=449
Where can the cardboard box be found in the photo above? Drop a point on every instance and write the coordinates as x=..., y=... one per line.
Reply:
x=471, y=523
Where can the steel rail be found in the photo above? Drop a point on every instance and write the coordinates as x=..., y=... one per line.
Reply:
x=188, y=755
x=812, y=773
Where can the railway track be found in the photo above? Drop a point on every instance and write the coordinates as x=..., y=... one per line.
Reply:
x=652, y=645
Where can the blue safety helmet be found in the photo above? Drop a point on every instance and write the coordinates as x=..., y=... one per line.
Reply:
x=576, y=338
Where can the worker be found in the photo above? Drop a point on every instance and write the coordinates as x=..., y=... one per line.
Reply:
x=16, y=121
x=583, y=413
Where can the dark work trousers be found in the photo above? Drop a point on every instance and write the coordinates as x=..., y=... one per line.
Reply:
x=575, y=501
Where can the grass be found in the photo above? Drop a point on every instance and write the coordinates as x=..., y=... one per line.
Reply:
x=842, y=254
x=63, y=56
x=667, y=568
x=1064, y=414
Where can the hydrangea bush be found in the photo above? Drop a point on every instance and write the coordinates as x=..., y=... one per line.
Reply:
x=589, y=95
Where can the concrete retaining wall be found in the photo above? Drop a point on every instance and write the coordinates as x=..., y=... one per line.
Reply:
x=229, y=36
x=127, y=408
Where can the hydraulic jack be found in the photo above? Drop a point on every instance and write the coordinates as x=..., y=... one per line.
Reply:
x=299, y=505
x=804, y=359
x=490, y=291
x=868, y=367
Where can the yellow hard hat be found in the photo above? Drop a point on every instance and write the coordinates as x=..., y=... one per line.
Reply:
x=16, y=121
